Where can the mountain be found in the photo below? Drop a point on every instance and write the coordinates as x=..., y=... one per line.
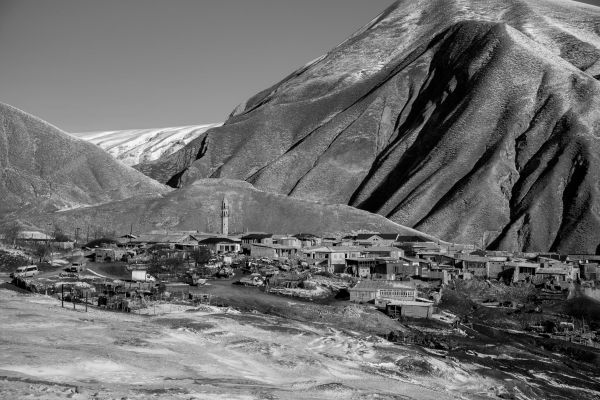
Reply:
x=44, y=168
x=198, y=207
x=463, y=119
x=51, y=178
x=135, y=146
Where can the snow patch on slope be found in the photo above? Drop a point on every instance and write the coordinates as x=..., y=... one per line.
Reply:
x=135, y=146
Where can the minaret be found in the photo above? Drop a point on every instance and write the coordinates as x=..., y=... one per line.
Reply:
x=225, y=217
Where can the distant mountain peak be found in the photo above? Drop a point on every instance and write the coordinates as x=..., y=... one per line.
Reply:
x=135, y=146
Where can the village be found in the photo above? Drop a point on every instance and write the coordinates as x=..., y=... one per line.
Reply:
x=408, y=278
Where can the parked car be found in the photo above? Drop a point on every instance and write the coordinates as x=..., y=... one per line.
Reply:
x=26, y=271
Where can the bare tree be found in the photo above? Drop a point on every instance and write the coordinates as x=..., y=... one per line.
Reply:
x=11, y=232
x=100, y=232
x=59, y=235
x=41, y=251
x=201, y=255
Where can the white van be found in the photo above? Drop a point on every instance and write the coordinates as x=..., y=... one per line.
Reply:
x=26, y=271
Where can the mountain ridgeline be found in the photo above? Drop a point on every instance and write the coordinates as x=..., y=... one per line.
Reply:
x=198, y=207
x=467, y=120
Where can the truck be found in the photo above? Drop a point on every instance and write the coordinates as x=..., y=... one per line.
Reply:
x=252, y=280
x=140, y=275
x=193, y=279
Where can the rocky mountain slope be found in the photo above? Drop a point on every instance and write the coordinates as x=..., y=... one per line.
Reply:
x=44, y=168
x=463, y=119
x=135, y=146
x=198, y=207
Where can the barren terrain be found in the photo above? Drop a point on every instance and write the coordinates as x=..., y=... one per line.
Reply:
x=43, y=168
x=48, y=352
x=463, y=119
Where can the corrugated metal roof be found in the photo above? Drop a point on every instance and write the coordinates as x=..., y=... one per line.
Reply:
x=34, y=235
x=374, y=285
x=257, y=236
x=410, y=303
x=385, y=236
x=555, y=270
x=276, y=246
x=161, y=238
x=379, y=249
x=215, y=240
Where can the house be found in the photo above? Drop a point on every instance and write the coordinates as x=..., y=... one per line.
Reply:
x=558, y=273
x=411, y=249
x=345, y=242
x=361, y=266
x=67, y=245
x=517, y=271
x=332, y=258
x=541, y=257
x=546, y=262
x=410, y=239
x=376, y=239
x=168, y=240
x=273, y=251
x=414, y=262
x=405, y=269
x=384, y=296
x=287, y=241
x=384, y=271
x=583, y=258
x=482, y=266
x=308, y=239
x=34, y=237
x=366, y=291
x=383, y=251
x=434, y=274
x=330, y=242
x=221, y=245
x=255, y=238
x=437, y=258
x=590, y=271
x=109, y=254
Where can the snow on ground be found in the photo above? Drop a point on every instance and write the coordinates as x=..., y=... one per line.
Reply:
x=136, y=146
x=50, y=352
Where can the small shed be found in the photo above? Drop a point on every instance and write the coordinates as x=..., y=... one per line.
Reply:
x=175, y=288
x=412, y=309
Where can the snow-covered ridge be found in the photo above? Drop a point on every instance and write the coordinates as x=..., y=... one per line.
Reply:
x=134, y=146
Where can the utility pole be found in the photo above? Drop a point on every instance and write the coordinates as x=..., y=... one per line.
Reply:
x=48, y=241
x=76, y=236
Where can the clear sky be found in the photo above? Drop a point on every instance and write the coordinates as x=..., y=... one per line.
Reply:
x=117, y=64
